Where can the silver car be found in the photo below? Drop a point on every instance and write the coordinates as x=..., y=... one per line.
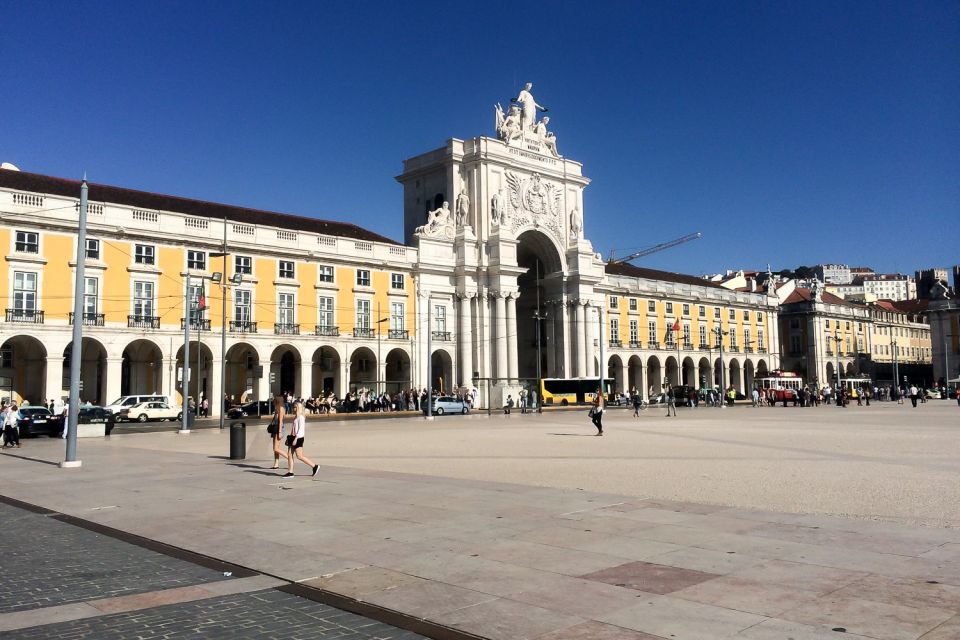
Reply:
x=448, y=404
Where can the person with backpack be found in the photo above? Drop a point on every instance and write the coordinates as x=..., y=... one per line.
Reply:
x=671, y=401
x=596, y=413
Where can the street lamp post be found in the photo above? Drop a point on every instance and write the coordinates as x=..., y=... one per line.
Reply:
x=185, y=370
x=723, y=379
x=379, y=363
x=837, y=339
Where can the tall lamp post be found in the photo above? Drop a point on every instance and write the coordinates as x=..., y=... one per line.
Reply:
x=378, y=323
x=723, y=378
x=837, y=340
x=234, y=280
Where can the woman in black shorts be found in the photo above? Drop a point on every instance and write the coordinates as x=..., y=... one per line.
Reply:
x=298, y=431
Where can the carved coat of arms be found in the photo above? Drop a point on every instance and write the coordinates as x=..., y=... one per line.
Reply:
x=533, y=202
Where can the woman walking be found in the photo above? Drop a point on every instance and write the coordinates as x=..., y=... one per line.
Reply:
x=276, y=430
x=295, y=442
x=596, y=414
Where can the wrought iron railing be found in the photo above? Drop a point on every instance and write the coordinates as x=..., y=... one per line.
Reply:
x=326, y=330
x=143, y=322
x=28, y=316
x=364, y=332
x=286, y=329
x=243, y=326
x=398, y=334
x=443, y=336
x=203, y=324
x=89, y=319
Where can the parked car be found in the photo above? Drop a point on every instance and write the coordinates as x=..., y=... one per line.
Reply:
x=125, y=402
x=448, y=404
x=36, y=421
x=149, y=411
x=255, y=408
x=94, y=415
x=932, y=394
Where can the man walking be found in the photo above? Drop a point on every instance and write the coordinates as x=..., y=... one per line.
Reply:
x=671, y=401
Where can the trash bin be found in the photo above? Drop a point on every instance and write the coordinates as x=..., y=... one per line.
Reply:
x=238, y=440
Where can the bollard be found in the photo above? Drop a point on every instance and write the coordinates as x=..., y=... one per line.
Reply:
x=238, y=440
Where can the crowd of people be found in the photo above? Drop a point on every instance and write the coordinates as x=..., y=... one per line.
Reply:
x=365, y=400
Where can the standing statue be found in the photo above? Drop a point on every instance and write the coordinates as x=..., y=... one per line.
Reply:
x=529, y=105
x=463, y=208
x=576, y=224
x=496, y=208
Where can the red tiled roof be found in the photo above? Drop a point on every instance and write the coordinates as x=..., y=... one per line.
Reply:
x=627, y=269
x=905, y=306
x=37, y=183
x=804, y=295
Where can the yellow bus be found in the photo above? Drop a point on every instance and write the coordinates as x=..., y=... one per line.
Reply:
x=567, y=391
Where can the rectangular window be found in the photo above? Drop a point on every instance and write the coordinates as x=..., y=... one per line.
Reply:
x=6, y=357
x=325, y=312
x=397, y=281
x=614, y=302
x=614, y=329
x=795, y=345
x=397, y=319
x=363, y=278
x=27, y=242
x=285, y=269
x=93, y=249
x=195, y=310
x=89, y=297
x=363, y=314
x=24, y=291
x=760, y=344
x=849, y=350
x=143, y=299
x=759, y=317
x=440, y=319
x=652, y=332
x=634, y=332
x=859, y=345
x=733, y=339
x=669, y=308
x=703, y=335
x=702, y=311
x=633, y=304
x=325, y=273
x=686, y=335
x=144, y=254
x=285, y=309
x=716, y=313
x=197, y=260
x=242, y=305
x=746, y=316
x=686, y=309
x=826, y=323
x=848, y=325
x=732, y=315
x=243, y=264
x=746, y=337
x=651, y=306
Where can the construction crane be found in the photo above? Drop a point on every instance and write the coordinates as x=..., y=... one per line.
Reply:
x=653, y=249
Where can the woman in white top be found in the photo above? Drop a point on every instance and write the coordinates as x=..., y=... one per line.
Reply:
x=298, y=431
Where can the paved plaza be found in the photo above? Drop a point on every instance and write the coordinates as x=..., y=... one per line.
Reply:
x=766, y=523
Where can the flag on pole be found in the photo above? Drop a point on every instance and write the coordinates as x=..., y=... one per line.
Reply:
x=676, y=325
x=202, y=304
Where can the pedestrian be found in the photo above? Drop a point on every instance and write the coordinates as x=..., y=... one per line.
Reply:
x=205, y=407
x=275, y=429
x=913, y=395
x=508, y=405
x=11, y=430
x=596, y=413
x=523, y=400
x=298, y=433
x=671, y=401
x=755, y=396
x=65, y=418
x=637, y=403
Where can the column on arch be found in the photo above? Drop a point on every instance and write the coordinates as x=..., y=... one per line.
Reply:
x=53, y=389
x=114, y=373
x=563, y=343
x=590, y=337
x=465, y=364
x=263, y=384
x=550, y=338
x=512, y=363
x=306, y=377
x=500, y=311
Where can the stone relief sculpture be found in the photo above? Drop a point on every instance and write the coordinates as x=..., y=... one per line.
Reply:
x=439, y=224
x=496, y=208
x=533, y=202
x=576, y=224
x=463, y=208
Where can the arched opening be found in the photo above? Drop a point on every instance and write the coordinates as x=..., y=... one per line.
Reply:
x=141, y=371
x=363, y=369
x=285, y=371
x=200, y=371
x=762, y=368
x=615, y=373
x=706, y=374
x=93, y=371
x=442, y=369
x=397, y=371
x=23, y=371
x=673, y=372
x=748, y=376
x=736, y=379
x=689, y=372
x=851, y=370
x=438, y=201
x=831, y=374
x=635, y=377
x=654, y=375
x=542, y=279
x=241, y=383
x=326, y=372
x=719, y=379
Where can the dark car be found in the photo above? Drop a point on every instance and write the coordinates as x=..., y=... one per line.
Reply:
x=38, y=421
x=94, y=415
x=255, y=408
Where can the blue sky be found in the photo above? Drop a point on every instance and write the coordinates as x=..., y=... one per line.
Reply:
x=786, y=132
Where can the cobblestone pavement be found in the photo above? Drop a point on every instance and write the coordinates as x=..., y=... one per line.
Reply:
x=47, y=563
x=265, y=614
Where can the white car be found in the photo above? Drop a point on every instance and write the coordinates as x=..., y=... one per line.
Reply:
x=148, y=411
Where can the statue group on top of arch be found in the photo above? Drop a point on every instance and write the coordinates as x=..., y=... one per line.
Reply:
x=520, y=125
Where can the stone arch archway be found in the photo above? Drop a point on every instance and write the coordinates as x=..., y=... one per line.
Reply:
x=326, y=372
x=200, y=370
x=689, y=372
x=542, y=279
x=93, y=370
x=363, y=369
x=23, y=370
x=397, y=370
x=141, y=369
x=442, y=370
x=762, y=369
x=748, y=375
x=831, y=375
x=241, y=383
x=285, y=371
x=654, y=374
x=635, y=375
x=706, y=373
x=615, y=373
x=735, y=375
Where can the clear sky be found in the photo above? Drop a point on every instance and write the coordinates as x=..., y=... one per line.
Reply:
x=786, y=132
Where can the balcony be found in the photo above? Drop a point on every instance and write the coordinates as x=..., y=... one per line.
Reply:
x=688, y=346
x=615, y=343
x=653, y=345
x=89, y=319
x=761, y=349
x=26, y=316
x=443, y=336
x=199, y=324
x=398, y=334
x=326, y=330
x=286, y=329
x=364, y=332
x=748, y=349
x=635, y=344
x=733, y=348
x=143, y=322
x=243, y=326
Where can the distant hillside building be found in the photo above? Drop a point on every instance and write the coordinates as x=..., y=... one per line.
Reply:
x=927, y=278
x=833, y=273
